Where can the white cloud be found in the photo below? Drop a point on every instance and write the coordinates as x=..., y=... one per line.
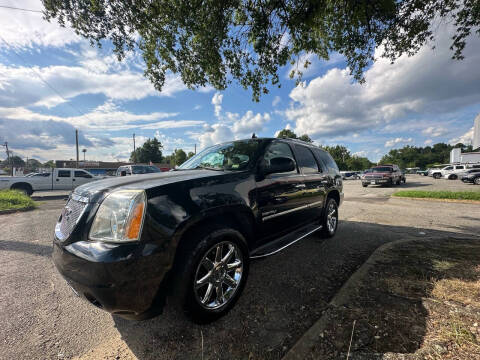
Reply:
x=465, y=139
x=21, y=86
x=22, y=29
x=428, y=142
x=435, y=131
x=427, y=83
x=361, y=153
x=392, y=142
x=276, y=101
x=217, y=103
x=230, y=126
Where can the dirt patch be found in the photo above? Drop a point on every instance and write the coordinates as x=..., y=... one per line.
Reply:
x=418, y=299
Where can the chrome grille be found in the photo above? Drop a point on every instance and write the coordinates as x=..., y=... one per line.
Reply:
x=71, y=214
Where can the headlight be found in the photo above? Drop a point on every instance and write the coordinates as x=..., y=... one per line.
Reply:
x=120, y=217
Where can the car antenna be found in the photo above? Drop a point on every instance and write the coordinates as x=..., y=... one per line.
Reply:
x=254, y=136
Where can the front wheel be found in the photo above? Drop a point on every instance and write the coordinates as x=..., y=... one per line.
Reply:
x=477, y=181
x=330, y=219
x=212, y=275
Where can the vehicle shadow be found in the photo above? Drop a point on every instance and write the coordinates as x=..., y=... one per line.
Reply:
x=30, y=248
x=284, y=296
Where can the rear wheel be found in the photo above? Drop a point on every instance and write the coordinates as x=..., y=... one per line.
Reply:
x=330, y=219
x=437, y=176
x=24, y=188
x=212, y=274
x=453, y=177
x=477, y=181
x=364, y=185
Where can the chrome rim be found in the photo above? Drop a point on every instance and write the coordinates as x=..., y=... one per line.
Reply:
x=218, y=275
x=331, y=217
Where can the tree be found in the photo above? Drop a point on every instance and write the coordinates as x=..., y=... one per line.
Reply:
x=149, y=151
x=33, y=164
x=180, y=156
x=340, y=154
x=49, y=164
x=15, y=161
x=190, y=154
x=287, y=133
x=423, y=157
x=213, y=42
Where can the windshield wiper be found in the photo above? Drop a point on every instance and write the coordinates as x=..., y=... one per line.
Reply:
x=207, y=168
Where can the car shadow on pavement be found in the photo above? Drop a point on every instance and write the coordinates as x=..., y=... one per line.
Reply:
x=284, y=296
x=30, y=248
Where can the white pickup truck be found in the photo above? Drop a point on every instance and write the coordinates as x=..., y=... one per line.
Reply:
x=58, y=179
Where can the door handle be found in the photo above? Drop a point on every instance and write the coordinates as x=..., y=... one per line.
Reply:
x=58, y=179
x=300, y=186
x=73, y=179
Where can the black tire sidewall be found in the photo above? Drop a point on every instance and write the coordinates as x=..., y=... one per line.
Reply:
x=325, y=232
x=184, y=293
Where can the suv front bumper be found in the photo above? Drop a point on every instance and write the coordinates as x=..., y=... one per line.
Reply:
x=121, y=279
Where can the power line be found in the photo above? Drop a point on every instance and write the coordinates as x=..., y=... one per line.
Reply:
x=43, y=80
x=21, y=9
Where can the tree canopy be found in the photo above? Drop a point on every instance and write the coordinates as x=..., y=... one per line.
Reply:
x=422, y=157
x=213, y=42
x=345, y=160
x=287, y=133
x=151, y=150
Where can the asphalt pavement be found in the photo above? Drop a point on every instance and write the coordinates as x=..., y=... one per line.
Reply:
x=284, y=296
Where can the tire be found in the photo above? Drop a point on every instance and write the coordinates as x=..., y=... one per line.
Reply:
x=329, y=226
x=364, y=185
x=25, y=188
x=200, y=259
x=398, y=182
x=404, y=180
x=437, y=176
x=453, y=177
x=477, y=181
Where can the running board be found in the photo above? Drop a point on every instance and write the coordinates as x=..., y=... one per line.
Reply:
x=284, y=242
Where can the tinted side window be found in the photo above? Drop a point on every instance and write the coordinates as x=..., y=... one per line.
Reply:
x=306, y=160
x=63, y=173
x=326, y=159
x=82, y=174
x=278, y=149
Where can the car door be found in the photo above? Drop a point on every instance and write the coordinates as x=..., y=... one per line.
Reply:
x=279, y=195
x=63, y=180
x=315, y=180
x=80, y=177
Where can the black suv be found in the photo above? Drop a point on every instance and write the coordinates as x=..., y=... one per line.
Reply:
x=129, y=243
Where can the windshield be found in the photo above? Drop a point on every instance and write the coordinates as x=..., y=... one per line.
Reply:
x=381, y=169
x=230, y=156
x=136, y=169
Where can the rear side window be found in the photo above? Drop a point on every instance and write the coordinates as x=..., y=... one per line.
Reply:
x=63, y=173
x=306, y=160
x=82, y=174
x=326, y=159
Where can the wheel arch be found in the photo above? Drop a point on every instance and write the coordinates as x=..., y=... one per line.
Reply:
x=334, y=194
x=20, y=185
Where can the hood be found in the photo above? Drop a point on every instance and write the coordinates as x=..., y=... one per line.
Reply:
x=144, y=181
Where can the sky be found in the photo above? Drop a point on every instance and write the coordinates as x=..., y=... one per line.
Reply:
x=53, y=82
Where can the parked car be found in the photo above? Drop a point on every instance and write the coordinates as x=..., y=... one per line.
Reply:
x=435, y=169
x=472, y=177
x=423, y=172
x=58, y=179
x=125, y=244
x=350, y=175
x=454, y=171
x=137, y=170
x=383, y=175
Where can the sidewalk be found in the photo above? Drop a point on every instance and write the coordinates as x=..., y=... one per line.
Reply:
x=412, y=299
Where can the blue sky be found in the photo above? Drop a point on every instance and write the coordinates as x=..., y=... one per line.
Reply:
x=420, y=100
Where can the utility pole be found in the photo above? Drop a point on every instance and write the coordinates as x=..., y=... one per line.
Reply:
x=134, y=147
x=8, y=156
x=76, y=142
x=195, y=149
x=84, y=151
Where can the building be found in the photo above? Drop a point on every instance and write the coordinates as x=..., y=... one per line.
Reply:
x=456, y=156
x=476, y=133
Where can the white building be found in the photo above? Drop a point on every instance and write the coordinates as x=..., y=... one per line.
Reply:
x=476, y=133
x=456, y=156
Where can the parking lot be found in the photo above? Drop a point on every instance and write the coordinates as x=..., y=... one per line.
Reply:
x=284, y=296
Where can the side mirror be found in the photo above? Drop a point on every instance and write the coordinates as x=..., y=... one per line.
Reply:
x=279, y=165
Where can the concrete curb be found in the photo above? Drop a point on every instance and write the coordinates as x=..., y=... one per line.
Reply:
x=49, y=197
x=438, y=200
x=5, y=212
x=302, y=347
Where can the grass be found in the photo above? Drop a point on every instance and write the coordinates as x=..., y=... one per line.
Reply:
x=15, y=200
x=454, y=195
